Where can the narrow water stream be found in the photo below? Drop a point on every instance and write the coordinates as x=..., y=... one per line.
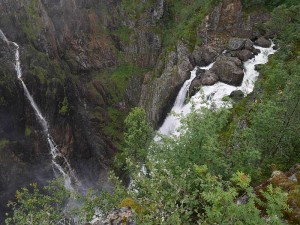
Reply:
x=60, y=164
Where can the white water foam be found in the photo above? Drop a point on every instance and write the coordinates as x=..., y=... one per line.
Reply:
x=61, y=166
x=212, y=96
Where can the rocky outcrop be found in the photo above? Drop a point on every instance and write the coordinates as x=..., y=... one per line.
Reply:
x=263, y=42
x=158, y=95
x=204, y=55
x=122, y=216
x=289, y=182
x=229, y=70
x=236, y=44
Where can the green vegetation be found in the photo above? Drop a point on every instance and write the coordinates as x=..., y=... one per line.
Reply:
x=123, y=73
x=31, y=26
x=39, y=206
x=124, y=33
x=184, y=19
x=137, y=137
x=28, y=131
x=115, y=125
x=64, y=109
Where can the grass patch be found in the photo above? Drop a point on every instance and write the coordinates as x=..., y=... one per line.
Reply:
x=123, y=73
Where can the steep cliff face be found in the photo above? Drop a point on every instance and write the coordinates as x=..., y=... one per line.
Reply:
x=67, y=55
x=72, y=52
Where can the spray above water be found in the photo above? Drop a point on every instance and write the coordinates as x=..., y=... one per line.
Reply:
x=212, y=96
x=60, y=164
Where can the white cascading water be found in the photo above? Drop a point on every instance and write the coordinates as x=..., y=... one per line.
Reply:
x=212, y=96
x=61, y=166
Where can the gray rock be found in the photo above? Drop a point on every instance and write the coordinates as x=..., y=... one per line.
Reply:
x=209, y=78
x=236, y=44
x=256, y=51
x=244, y=55
x=118, y=217
x=229, y=70
x=204, y=55
x=263, y=42
x=195, y=86
x=158, y=95
x=248, y=45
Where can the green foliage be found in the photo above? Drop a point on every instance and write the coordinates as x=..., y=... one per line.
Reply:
x=137, y=137
x=27, y=131
x=31, y=25
x=124, y=33
x=37, y=207
x=183, y=20
x=64, y=108
x=115, y=125
x=123, y=73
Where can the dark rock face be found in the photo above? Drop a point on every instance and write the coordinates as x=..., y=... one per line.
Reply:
x=158, y=96
x=206, y=77
x=263, y=42
x=229, y=70
x=244, y=55
x=209, y=78
x=204, y=55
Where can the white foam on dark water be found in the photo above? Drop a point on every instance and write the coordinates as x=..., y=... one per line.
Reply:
x=212, y=96
x=61, y=166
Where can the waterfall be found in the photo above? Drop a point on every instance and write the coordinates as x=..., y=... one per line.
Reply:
x=212, y=96
x=172, y=122
x=60, y=164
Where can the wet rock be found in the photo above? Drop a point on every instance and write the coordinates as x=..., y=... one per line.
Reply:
x=157, y=96
x=263, y=42
x=204, y=55
x=256, y=51
x=229, y=70
x=209, y=78
x=244, y=55
x=195, y=87
x=236, y=44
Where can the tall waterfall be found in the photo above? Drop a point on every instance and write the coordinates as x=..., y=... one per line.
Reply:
x=60, y=164
x=212, y=96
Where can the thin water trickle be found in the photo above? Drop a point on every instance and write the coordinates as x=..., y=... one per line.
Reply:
x=61, y=166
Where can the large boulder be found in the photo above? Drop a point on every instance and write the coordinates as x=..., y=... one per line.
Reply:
x=209, y=78
x=204, y=55
x=244, y=55
x=263, y=42
x=236, y=44
x=229, y=70
x=204, y=77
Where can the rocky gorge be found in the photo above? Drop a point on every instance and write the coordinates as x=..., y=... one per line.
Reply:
x=88, y=62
